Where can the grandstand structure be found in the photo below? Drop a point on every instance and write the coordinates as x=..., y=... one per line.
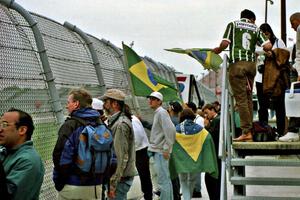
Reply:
x=41, y=60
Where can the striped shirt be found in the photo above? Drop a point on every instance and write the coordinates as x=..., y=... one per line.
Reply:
x=243, y=36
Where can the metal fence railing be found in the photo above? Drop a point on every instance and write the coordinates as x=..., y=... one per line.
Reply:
x=25, y=84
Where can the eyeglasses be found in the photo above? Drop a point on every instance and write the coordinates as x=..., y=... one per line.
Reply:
x=4, y=124
x=153, y=99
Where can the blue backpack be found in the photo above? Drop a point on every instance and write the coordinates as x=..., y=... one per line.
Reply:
x=94, y=149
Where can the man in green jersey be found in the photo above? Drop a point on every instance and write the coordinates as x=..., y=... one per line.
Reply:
x=242, y=36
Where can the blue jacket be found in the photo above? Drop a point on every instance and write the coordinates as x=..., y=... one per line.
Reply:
x=66, y=148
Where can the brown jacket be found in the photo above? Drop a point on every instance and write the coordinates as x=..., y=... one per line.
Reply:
x=276, y=73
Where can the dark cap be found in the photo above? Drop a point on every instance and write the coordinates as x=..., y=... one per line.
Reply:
x=175, y=106
x=192, y=106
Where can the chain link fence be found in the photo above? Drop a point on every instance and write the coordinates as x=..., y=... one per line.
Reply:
x=24, y=85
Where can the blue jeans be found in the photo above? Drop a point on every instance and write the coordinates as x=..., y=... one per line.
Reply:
x=198, y=183
x=122, y=188
x=187, y=182
x=161, y=166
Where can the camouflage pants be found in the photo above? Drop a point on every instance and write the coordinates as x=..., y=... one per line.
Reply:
x=241, y=77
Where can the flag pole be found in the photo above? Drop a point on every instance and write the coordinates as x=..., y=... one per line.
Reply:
x=135, y=102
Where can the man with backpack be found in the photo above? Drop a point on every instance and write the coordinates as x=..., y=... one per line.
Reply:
x=119, y=121
x=79, y=163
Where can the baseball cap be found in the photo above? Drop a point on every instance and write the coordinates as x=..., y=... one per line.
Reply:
x=97, y=104
x=113, y=94
x=157, y=95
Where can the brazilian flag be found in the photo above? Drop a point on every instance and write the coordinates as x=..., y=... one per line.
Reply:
x=145, y=82
x=206, y=57
x=194, y=153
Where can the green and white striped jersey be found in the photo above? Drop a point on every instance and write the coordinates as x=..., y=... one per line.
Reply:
x=243, y=36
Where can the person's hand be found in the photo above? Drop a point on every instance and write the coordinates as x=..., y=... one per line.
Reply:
x=217, y=50
x=166, y=155
x=206, y=122
x=112, y=192
x=269, y=53
x=298, y=78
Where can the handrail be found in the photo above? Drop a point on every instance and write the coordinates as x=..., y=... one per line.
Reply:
x=221, y=152
x=223, y=129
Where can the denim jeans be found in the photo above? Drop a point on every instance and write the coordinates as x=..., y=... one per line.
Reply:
x=122, y=188
x=161, y=166
x=187, y=182
x=198, y=183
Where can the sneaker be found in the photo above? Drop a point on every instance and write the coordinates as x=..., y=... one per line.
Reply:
x=289, y=137
x=156, y=195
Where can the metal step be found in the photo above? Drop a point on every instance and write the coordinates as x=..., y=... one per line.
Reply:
x=262, y=198
x=265, y=162
x=264, y=181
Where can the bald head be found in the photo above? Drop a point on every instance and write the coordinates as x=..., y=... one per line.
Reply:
x=295, y=16
x=295, y=20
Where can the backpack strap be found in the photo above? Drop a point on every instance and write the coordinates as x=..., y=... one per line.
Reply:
x=81, y=121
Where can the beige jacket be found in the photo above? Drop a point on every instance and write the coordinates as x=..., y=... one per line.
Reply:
x=276, y=74
x=124, y=147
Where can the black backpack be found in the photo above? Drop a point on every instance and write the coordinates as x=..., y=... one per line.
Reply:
x=263, y=132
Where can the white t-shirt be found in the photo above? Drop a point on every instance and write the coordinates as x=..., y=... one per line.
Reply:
x=261, y=57
x=199, y=120
x=140, y=136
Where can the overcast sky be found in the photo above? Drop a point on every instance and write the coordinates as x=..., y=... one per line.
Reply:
x=154, y=25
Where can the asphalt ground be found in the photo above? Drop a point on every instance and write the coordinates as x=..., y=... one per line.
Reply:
x=251, y=171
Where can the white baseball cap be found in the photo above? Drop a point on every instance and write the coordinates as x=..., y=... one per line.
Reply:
x=157, y=95
x=97, y=104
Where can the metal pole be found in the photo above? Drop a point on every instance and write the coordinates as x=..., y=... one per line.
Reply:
x=266, y=11
x=91, y=48
x=283, y=20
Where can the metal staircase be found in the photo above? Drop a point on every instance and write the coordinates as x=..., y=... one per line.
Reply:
x=237, y=156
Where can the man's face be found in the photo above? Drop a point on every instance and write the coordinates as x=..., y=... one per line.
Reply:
x=295, y=23
x=72, y=104
x=154, y=102
x=209, y=113
x=108, y=107
x=9, y=134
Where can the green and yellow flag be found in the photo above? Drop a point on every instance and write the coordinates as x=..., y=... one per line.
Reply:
x=206, y=57
x=194, y=153
x=144, y=81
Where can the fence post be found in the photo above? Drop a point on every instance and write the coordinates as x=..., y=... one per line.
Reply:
x=135, y=102
x=91, y=48
x=57, y=108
